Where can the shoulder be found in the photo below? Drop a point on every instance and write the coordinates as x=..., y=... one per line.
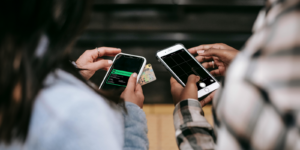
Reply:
x=69, y=110
x=63, y=93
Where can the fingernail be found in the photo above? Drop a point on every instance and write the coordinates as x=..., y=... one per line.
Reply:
x=134, y=75
x=109, y=61
x=202, y=51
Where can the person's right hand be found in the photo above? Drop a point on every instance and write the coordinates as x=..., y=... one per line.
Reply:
x=133, y=92
x=90, y=61
x=220, y=53
x=190, y=91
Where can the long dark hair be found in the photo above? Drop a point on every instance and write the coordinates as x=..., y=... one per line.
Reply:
x=22, y=71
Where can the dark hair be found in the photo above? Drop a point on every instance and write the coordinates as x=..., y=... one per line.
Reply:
x=23, y=24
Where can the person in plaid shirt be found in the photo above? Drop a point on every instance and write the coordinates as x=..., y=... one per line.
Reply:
x=258, y=105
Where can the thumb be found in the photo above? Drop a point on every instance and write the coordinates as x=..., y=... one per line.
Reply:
x=131, y=83
x=191, y=83
x=100, y=64
x=191, y=90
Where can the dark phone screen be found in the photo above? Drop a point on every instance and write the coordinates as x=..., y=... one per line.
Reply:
x=121, y=70
x=183, y=65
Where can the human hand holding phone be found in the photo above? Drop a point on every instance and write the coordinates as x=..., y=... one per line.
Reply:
x=133, y=92
x=215, y=56
x=180, y=93
x=90, y=61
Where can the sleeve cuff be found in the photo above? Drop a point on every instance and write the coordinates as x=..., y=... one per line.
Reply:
x=189, y=113
x=135, y=112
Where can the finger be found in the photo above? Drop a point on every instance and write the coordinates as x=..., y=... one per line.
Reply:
x=191, y=90
x=99, y=64
x=205, y=65
x=206, y=47
x=105, y=69
x=174, y=83
x=216, y=73
x=176, y=90
x=138, y=88
x=204, y=58
x=208, y=99
x=212, y=52
x=194, y=50
x=131, y=83
x=172, y=80
x=209, y=65
x=107, y=51
x=139, y=92
x=192, y=79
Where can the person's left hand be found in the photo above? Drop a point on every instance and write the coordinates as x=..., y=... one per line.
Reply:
x=133, y=92
x=190, y=91
x=90, y=61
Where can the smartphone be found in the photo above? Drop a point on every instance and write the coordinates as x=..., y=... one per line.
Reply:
x=123, y=66
x=181, y=63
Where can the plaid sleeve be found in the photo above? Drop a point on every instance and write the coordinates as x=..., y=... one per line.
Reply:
x=192, y=129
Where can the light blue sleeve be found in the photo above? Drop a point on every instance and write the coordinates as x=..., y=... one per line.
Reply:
x=135, y=128
x=90, y=126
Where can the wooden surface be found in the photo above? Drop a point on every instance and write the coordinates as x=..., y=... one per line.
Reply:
x=161, y=132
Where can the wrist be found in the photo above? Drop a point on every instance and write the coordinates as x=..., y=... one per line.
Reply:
x=134, y=103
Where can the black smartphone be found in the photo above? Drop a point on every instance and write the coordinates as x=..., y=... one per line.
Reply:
x=121, y=69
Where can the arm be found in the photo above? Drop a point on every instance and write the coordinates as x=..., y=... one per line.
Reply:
x=192, y=129
x=84, y=123
x=135, y=118
x=135, y=128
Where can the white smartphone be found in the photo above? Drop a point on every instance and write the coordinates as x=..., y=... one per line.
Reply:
x=121, y=69
x=181, y=63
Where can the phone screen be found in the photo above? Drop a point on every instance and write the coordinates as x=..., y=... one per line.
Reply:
x=183, y=65
x=121, y=70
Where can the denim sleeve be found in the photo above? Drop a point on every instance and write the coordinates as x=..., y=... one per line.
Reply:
x=135, y=128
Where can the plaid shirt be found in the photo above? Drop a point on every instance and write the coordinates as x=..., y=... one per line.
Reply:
x=258, y=105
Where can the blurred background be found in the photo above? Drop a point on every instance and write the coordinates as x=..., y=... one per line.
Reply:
x=143, y=27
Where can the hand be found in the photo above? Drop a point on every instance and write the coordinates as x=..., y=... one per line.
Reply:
x=180, y=93
x=190, y=90
x=90, y=60
x=208, y=99
x=133, y=92
x=220, y=53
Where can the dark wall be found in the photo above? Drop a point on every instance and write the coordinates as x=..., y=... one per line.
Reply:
x=143, y=27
